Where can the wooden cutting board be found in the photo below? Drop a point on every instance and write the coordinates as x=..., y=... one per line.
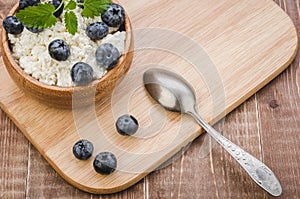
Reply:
x=226, y=49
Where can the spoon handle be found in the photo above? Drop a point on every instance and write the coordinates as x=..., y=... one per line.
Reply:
x=257, y=170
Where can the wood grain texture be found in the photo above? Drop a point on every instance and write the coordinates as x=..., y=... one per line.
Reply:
x=13, y=160
x=53, y=131
x=219, y=176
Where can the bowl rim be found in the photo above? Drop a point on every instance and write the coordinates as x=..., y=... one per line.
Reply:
x=71, y=89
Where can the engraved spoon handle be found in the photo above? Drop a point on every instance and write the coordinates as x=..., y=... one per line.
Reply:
x=257, y=170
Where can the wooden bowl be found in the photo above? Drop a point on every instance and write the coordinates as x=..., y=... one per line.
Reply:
x=68, y=97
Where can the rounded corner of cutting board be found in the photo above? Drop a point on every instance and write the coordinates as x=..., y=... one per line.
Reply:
x=293, y=37
x=116, y=187
x=294, y=33
x=93, y=182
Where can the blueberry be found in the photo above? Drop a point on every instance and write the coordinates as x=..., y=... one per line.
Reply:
x=59, y=50
x=107, y=56
x=127, y=125
x=34, y=30
x=26, y=3
x=105, y=163
x=97, y=30
x=23, y=4
x=12, y=25
x=56, y=3
x=82, y=74
x=80, y=1
x=83, y=149
x=114, y=16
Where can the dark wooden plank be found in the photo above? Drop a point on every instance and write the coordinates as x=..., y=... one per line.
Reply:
x=44, y=182
x=13, y=159
x=242, y=128
x=280, y=124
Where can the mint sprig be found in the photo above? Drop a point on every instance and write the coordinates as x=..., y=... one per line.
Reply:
x=42, y=15
x=71, y=5
x=71, y=22
x=94, y=8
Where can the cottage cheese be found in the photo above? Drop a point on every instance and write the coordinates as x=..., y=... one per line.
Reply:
x=30, y=50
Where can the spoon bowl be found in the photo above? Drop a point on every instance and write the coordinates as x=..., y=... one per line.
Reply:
x=174, y=93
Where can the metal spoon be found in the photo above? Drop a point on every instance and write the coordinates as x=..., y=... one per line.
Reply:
x=175, y=94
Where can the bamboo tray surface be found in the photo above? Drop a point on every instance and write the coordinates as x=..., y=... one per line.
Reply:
x=227, y=50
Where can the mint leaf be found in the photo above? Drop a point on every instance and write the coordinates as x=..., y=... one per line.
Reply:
x=40, y=16
x=71, y=22
x=71, y=5
x=94, y=8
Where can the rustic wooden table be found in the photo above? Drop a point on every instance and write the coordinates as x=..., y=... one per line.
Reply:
x=267, y=125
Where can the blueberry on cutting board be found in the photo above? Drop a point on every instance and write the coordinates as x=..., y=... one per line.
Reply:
x=127, y=125
x=83, y=149
x=105, y=163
